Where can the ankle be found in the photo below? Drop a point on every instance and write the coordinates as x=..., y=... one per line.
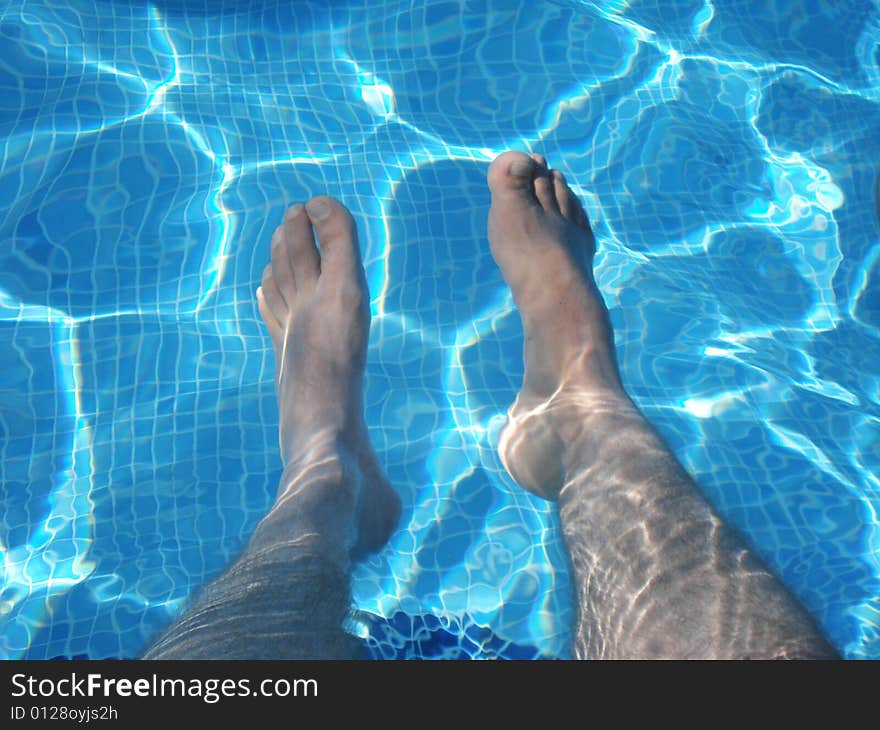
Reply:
x=587, y=419
x=315, y=507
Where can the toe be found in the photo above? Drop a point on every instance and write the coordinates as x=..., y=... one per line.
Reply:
x=544, y=188
x=565, y=198
x=282, y=273
x=582, y=218
x=337, y=236
x=271, y=305
x=304, y=258
x=268, y=316
x=511, y=174
x=272, y=297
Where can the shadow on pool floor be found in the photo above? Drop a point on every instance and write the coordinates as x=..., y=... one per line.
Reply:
x=423, y=637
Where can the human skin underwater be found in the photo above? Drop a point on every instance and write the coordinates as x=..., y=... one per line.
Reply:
x=657, y=573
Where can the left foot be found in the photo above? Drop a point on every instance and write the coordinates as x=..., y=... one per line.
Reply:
x=315, y=305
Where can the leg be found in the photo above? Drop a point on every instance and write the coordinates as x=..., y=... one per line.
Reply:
x=287, y=595
x=657, y=573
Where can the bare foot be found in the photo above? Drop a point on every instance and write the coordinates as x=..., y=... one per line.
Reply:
x=315, y=305
x=541, y=239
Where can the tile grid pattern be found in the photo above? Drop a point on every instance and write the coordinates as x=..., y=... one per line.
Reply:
x=148, y=151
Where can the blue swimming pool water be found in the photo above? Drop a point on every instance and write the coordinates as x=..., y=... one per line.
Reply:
x=726, y=150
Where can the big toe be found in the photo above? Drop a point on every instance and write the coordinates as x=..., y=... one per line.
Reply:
x=512, y=174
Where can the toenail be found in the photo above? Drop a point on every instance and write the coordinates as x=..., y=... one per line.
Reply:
x=520, y=167
x=318, y=209
x=293, y=211
x=559, y=176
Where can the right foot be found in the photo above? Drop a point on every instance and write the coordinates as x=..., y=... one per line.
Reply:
x=316, y=307
x=540, y=237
